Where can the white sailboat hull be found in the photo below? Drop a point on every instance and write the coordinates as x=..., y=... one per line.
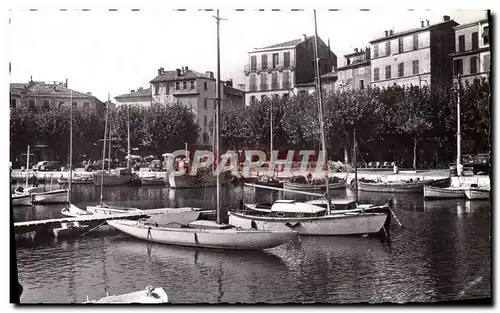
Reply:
x=149, y=295
x=206, y=238
x=54, y=196
x=111, y=180
x=443, y=193
x=107, y=210
x=355, y=223
x=188, y=181
x=19, y=200
x=476, y=194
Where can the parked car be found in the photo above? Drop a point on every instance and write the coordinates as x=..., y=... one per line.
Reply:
x=47, y=166
x=96, y=166
x=37, y=166
x=156, y=166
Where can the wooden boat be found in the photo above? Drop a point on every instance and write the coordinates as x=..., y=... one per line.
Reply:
x=82, y=180
x=310, y=219
x=116, y=177
x=74, y=211
x=69, y=229
x=52, y=196
x=269, y=181
x=186, y=229
x=301, y=183
x=149, y=295
x=431, y=192
x=410, y=186
x=21, y=199
x=203, y=179
x=147, y=181
x=104, y=209
x=477, y=193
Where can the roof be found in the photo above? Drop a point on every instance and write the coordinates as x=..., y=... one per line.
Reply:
x=138, y=93
x=361, y=52
x=411, y=31
x=172, y=76
x=290, y=43
x=49, y=89
x=470, y=24
x=353, y=65
x=330, y=75
x=233, y=91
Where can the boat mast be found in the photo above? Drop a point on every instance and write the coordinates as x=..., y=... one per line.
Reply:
x=459, y=137
x=27, y=166
x=70, y=144
x=128, y=136
x=320, y=111
x=355, y=161
x=109, y=147
x=271, y=135
x=104, y=144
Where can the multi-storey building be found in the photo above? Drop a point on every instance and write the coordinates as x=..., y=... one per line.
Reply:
x=416, y=56
x=196, y=91
x=471, y=58
x=356, y=74
x=140, y=96
x=39, y=95
x=280, y=68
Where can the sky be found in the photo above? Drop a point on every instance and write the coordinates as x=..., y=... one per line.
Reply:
x=103, y=52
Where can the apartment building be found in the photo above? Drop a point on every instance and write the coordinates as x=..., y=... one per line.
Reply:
x=38, y=95
x=196, y=91
x=284, y=68
x=140, y=97
x=471, y=58
x=416, y=56
x=356, y=74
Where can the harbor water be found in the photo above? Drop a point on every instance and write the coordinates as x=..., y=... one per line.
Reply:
x=442, y=253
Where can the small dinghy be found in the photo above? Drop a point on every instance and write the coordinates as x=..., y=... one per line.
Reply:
x=149, y=295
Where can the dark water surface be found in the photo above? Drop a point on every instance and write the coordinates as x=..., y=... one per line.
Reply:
x=442, y=253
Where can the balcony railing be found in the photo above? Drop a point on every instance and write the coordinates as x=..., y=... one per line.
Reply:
x=259, y=68
x=252, y=87
x=264, y=87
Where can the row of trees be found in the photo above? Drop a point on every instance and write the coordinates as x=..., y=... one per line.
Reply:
x=391, y=123
x=155, y=129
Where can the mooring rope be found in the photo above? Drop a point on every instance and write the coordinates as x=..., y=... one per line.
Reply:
x=94, y=228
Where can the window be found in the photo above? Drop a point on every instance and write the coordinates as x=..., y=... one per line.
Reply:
x=415, y=41
x=486, y=35
x=274, y=81
x=285, y=96
x=13, y=103
x=275, y=60
x=253, y=63
x=156, y=90
x=416, y=70
x=388, y=72
x=361, y=70
x=475, y=41
x=263, y=81
x=376, y=74
x=401, y=69
x=177, y=86
x=458, y=67
x=192, y=84
x=45, y=103
x=252, y=99
x=59, y=104
x=205, y=120
x=286, y=59
x=286, y=80
x=388, y=48
x=375, y=50
x=361, y=84
x=32, y=105
x=401, y=45
x=486, y=62
x=253, y=82
x=184, y=85
x=205, y=85
x=461, y=43
x=473, y=65
x=166, y=88
x=263, y=60
x=215, y=105
x=86, y=105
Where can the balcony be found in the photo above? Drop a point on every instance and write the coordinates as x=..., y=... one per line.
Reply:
x=252, y=88
x=287, y=85
x=267, y=68
x=264, y=87
x=188, y=90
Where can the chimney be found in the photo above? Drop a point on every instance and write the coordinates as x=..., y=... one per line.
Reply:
x=161, y=71
x=427, y=22
x=66, y=84
x=422, y=24
x=304, y=37
x=186, y=68
x=446, y=18
x=132, y=90
x=229, y=82
x=355, y=50
x=386, y=33
x=209, y=74
x=140, y=89
x=391, y=32
x=89, y=93
x=178, y=72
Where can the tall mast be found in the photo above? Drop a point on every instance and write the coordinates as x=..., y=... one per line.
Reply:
x=459, y=139
x=109, y=147
x=320, y=111
x=271, y=121
x=128, y=136
x=70, y=144
x=104, y=144
x=355, y=161
x=27, y=167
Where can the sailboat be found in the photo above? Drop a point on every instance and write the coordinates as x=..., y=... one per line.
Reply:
x=188, y=229
x=314, y=217
x=149, y=295
x=22, y=196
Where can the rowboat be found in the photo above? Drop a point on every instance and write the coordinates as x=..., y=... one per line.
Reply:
x=409, y=186
x=301, y=183
x=82, y=180
x=149, y=295
x=53, y=196
x=21, y=199
x=269, y=181
x=477, y=193
x=116, y=177
x=152, y=181
x=444, y=193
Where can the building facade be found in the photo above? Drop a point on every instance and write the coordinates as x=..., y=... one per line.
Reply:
x=356, y=74
x=38, y=95
x=196, y=91
x=471, y=58
x=414, y=57
x=140, y=97
x=278, y=69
